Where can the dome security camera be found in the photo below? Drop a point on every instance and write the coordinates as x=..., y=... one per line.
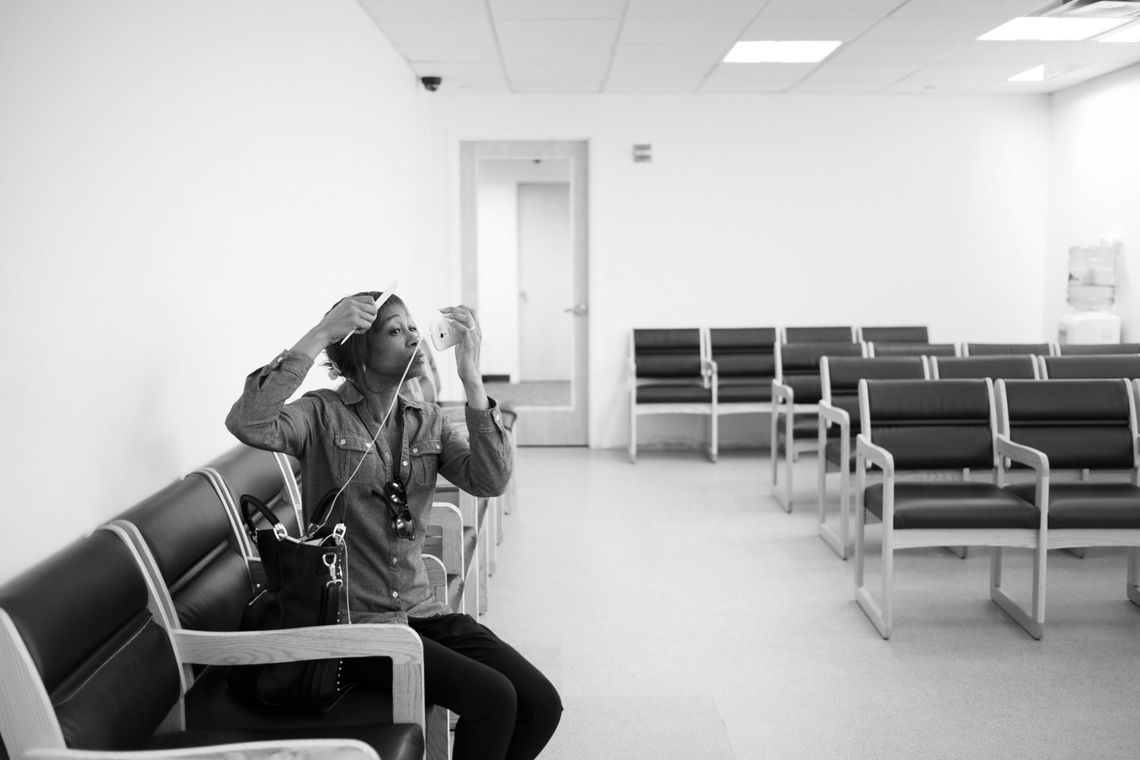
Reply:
x=431, y=84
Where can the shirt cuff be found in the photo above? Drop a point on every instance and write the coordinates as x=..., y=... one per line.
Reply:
x=486, y=420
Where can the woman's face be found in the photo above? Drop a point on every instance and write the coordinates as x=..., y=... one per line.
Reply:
x=393, y=340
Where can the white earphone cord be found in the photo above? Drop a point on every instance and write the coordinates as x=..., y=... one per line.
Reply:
x=395, y=398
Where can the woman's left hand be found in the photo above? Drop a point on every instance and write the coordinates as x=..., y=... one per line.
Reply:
x=466, y=325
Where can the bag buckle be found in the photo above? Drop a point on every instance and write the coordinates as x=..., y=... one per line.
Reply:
x=329, y=558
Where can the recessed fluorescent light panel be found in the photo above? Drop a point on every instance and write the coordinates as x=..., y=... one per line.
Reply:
x=1046, y=29
x=781, y=51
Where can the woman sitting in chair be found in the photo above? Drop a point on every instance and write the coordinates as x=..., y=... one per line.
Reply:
x=380, y=453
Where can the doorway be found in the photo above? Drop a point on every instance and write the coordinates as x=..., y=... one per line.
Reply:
x=523, y=266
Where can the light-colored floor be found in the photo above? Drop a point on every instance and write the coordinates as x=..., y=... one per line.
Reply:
x=682, y=614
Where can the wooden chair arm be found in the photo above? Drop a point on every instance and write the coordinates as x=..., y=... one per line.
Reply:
x=867, y=452
x=393, y=640
x=290, y=749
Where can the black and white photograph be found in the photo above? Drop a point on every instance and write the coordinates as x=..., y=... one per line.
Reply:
x=570, y=379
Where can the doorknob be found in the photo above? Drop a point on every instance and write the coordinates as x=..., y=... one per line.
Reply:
x=578, y=309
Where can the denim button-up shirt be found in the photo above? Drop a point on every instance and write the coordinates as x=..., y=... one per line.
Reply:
x=329, y=431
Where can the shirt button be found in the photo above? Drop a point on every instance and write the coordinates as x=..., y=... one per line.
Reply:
x=394, y=560
x=342, y=441
x=404, y=463
x=415, y=450
x=395, y=594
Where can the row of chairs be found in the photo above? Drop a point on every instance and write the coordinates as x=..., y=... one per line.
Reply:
x=1069, y=436
x=153, y=599
x=838, y=412
x=724, y=371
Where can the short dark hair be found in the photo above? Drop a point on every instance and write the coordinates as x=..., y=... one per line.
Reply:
x=351, y=358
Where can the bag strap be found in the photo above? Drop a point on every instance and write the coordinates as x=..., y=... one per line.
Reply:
x=322, y=512
x=248, y=500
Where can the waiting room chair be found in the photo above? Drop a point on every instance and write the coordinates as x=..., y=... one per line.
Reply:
x=893, y=334
x=1081, y=349
x=834, y=334
x=796, y=391
x=920, y=426
x=669, y=372
x=1090, y=366
x=93, y=670
x=1013, y=366
x=1003, y=349
x=743, y=366
x=878, y=349
x=839, y=424
x=1086, y=427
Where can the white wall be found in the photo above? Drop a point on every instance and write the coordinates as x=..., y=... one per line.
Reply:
x=1096, y=187
x=186, y=187
x=769, y=210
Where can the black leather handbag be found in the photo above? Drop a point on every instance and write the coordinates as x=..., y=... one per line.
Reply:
x=303, y=586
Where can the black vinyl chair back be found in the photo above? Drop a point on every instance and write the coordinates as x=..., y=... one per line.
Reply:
x=191, y=537
x=746, y=362
x=931, y=424
x=1022, y=367
x=912, y=349
x=836, y=334
x=1003, y=349
x=246, y=470
x=1091, y=367
x=667, y=354
x=797, y=366
x=895, y=334
x=1078, y=424
x=840, y=376
x=1083, y=349
x=107, y=665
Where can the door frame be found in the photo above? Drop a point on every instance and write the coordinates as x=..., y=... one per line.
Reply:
x=567, y=426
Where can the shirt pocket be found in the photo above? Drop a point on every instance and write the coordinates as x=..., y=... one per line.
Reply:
x=424, y=458
x=353, y=459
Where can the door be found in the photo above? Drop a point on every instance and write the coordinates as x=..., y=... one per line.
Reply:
x=524, y=259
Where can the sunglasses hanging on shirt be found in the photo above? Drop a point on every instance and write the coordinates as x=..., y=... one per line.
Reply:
x=396, y=499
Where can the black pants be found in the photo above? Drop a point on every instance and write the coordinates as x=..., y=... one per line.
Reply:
x=507, y=709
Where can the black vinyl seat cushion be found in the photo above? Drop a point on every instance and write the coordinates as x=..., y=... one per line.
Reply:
x=956, y=504
x=805, y=425
x=215, y=715
x=831, y=449
x=674, y=394
x=1088, y=505
x=743, y=392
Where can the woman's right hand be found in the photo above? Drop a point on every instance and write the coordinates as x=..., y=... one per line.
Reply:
x=351, y=314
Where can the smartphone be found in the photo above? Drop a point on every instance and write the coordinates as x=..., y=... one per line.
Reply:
x=443, y=336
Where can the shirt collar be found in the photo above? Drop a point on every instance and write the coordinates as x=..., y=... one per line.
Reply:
x=351, y=395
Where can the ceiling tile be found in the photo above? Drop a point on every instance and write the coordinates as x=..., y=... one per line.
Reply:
x=669, y=55
x=756, y=77
x=807, y=29
x=518, y=71
x=556, y=85
x=659, y=31
x=963, y=73
x=892, y=52
x=551, y=9
x=597, y=32
x=654, y=82
x=556, y=54
x=436, y=9
x=873, y=73
x=828, y=8
x=1006, y=9
x=742, y=10
x=946, y=29
x=836, y=88
x=439, y=32
x=451, y=53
